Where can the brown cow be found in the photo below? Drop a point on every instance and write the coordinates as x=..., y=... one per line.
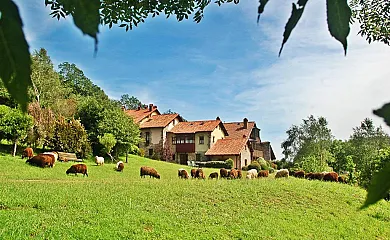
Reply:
x=200, y=174
x=144, y=171
x=223, y=173
x=182, y=173
x=193, y=173
x=78, y=168
x=299, y=174
x=28, y=153
x=233, y=174
x=331, y=177
x=40, y=161
x=263, y=173
x=213, y=175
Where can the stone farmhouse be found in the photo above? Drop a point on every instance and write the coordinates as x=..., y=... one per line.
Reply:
x=205, y=140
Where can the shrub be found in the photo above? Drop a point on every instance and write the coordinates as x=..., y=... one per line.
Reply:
x=244, y=168
x=142, y=152
x=254, y=165
x=271, y=170
x=230, y=163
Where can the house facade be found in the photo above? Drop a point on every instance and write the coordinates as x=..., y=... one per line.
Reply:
x=243, y=145
x=154, y=127
x=190, y=141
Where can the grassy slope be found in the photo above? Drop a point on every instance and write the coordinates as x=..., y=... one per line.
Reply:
x=45, y=203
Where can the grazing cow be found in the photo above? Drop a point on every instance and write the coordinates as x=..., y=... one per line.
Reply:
x=263, y=173
x=309, y=176
x=223, y=173
x=233, y=174
x=299, y=174
x=78, y=168
x=119, y=166
x=282, y=173
x=319, y=175
x=331, y=177
x=40, y=161
x=182, y=173
x=99, y=160
x=251, y=174
x=200, y=174
x=144, y=171
x=193, y=173
x=213, y=175
x=28, y=153
x=52, y=160
x=239, y=174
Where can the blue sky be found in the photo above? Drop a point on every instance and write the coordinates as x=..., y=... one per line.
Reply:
x=228, y=66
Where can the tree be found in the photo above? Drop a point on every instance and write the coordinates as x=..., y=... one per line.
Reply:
x=366, y=142
x=80, y=85
x=108, y=141
x=374, y=19
x=70, y=136
x=46, y=81
x=14, y=125
x=308, y=145
x=130, y=102
x=44, y=124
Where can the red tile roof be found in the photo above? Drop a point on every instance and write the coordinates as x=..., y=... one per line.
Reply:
x=234, y=142
x=139, y=115
x=159, y=121
x=197, y=126
x=237, y=130
x=227, y=146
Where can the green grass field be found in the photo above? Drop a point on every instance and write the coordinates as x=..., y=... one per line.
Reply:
x=48, y=204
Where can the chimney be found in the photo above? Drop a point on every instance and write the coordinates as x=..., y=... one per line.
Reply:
x=218, y=118
x=245, y=123
x=150, y=107
x=139, y=107
x=123, y=108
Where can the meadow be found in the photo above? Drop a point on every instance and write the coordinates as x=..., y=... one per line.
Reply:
x=45, y=203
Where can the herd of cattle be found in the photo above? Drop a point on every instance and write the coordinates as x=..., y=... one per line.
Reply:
x=251, y=174
x=49, y=159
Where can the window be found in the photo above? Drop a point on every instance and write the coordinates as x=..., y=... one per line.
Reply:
x=246, y=162
x=147, y=138
x=182, y=140
x=197, y=157
x=201, y=139
x=213, y=139
x=173, y=140
x=189, y=140
x=150, y=152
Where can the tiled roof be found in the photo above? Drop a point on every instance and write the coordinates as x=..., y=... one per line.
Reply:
x=197, y=126
x=227, y=146
x=159, y=121
x=138, y=115
x=237, y=130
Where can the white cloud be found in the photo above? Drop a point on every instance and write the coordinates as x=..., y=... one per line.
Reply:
x=313, y=77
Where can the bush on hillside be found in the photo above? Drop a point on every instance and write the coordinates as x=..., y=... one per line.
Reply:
x=230, y=163
x=271, y=170
x=244, y=168
x=254, y=165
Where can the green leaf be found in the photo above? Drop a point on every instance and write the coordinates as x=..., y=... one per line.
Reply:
x=85, y=16
x=15, y=58
x=379, y=186
x=384, y=112
x=292, y=21
x=339, y=16
x=260, y=10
